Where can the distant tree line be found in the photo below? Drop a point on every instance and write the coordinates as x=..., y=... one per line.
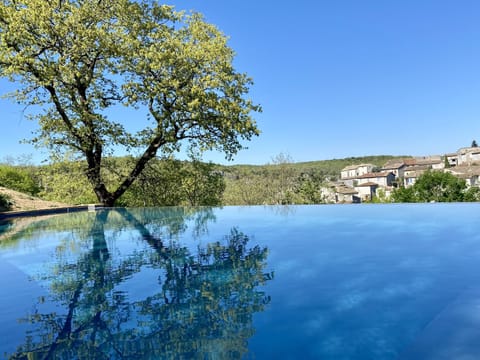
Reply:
x=170, y=182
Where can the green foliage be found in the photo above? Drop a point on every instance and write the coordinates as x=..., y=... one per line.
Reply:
x=76, y=60
x=272, y=185
x=249, y=188
x=446, y=163
x=167, y=182
x=472, y=194
x=19, y=179
x=332, y=168
x=435, y=186
x=5, y=202
x=309, y=188
x=172, y=182
x=381, y=197
x=156, y=186
x=285, y=182
x=439, y=186
x=404, y=194
x=202, y=184
x=65, y=181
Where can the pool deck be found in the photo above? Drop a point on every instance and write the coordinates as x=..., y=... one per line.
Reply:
x=49, y=211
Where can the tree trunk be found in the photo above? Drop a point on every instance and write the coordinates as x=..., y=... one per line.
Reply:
x=94, y=160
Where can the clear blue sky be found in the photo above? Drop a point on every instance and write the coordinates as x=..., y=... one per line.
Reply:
x=343, y=78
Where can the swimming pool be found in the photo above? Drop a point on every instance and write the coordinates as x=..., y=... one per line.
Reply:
x=394, y=281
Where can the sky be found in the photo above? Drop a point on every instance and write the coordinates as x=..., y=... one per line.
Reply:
x=343, y=78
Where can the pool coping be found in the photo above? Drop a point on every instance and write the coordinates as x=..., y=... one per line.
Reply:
x=49, y=211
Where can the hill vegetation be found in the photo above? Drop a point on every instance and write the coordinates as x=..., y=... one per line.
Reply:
x=167, y=182
x=170, y=182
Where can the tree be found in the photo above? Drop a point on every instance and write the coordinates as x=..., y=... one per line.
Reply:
x=433, y=186
x=309, y=188
x=79, y=59
x=64, y=181
x=193, y=183
x=474, y=143
x=472, y=194
x=439, y=186
x=202, y=184
x=18, y=178
x=284, y=179
x=404, y=194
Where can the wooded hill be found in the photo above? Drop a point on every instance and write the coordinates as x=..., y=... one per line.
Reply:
x=169, y=182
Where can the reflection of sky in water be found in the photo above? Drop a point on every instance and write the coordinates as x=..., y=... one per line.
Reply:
x=350, y=282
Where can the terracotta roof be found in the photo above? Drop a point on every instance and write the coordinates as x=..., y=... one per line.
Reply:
x=429, y=161
x=354, y=167
x=374, y=175
x=394, y=164
x=367, y=184
x=410, y=162
x=465, y=170
x=413, y=174
x=417, y=168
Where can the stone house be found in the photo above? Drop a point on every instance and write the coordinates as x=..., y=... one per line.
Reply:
x=384, y=178
x=418, y=166
x=346, y=195
x=471, y=174
x=353, y=171
x=395, y=166
x=468, y=156
x=367, y=191
x=452, y=159
x=412, y=173
x=435, y=162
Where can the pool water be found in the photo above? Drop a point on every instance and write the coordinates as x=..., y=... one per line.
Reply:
x=310, y=282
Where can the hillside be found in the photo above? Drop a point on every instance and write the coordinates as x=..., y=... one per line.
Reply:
x=182, y=182
x=22, y=202
x=330, y=168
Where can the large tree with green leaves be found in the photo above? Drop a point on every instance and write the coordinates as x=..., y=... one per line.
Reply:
x=435, y=186
x=77, y=60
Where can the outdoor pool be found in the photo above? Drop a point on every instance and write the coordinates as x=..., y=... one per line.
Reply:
x=300, y=282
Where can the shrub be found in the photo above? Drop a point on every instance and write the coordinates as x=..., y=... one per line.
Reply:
x=5, y=202
x=18, y=179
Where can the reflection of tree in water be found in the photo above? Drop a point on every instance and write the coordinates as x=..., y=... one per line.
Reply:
x=202, y=308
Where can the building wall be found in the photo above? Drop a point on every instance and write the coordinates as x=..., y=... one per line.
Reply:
x=382, y=181
x=365, y=192
x=379, y=180
x=468, y=156
x=452, y=160
x=358, y=171
x=438, y=166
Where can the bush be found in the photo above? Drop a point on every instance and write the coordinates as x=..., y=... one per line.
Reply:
x=18, y=179
x=434, y=186
x=5, y=202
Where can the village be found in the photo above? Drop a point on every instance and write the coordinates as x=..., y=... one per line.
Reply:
x=364, y=182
